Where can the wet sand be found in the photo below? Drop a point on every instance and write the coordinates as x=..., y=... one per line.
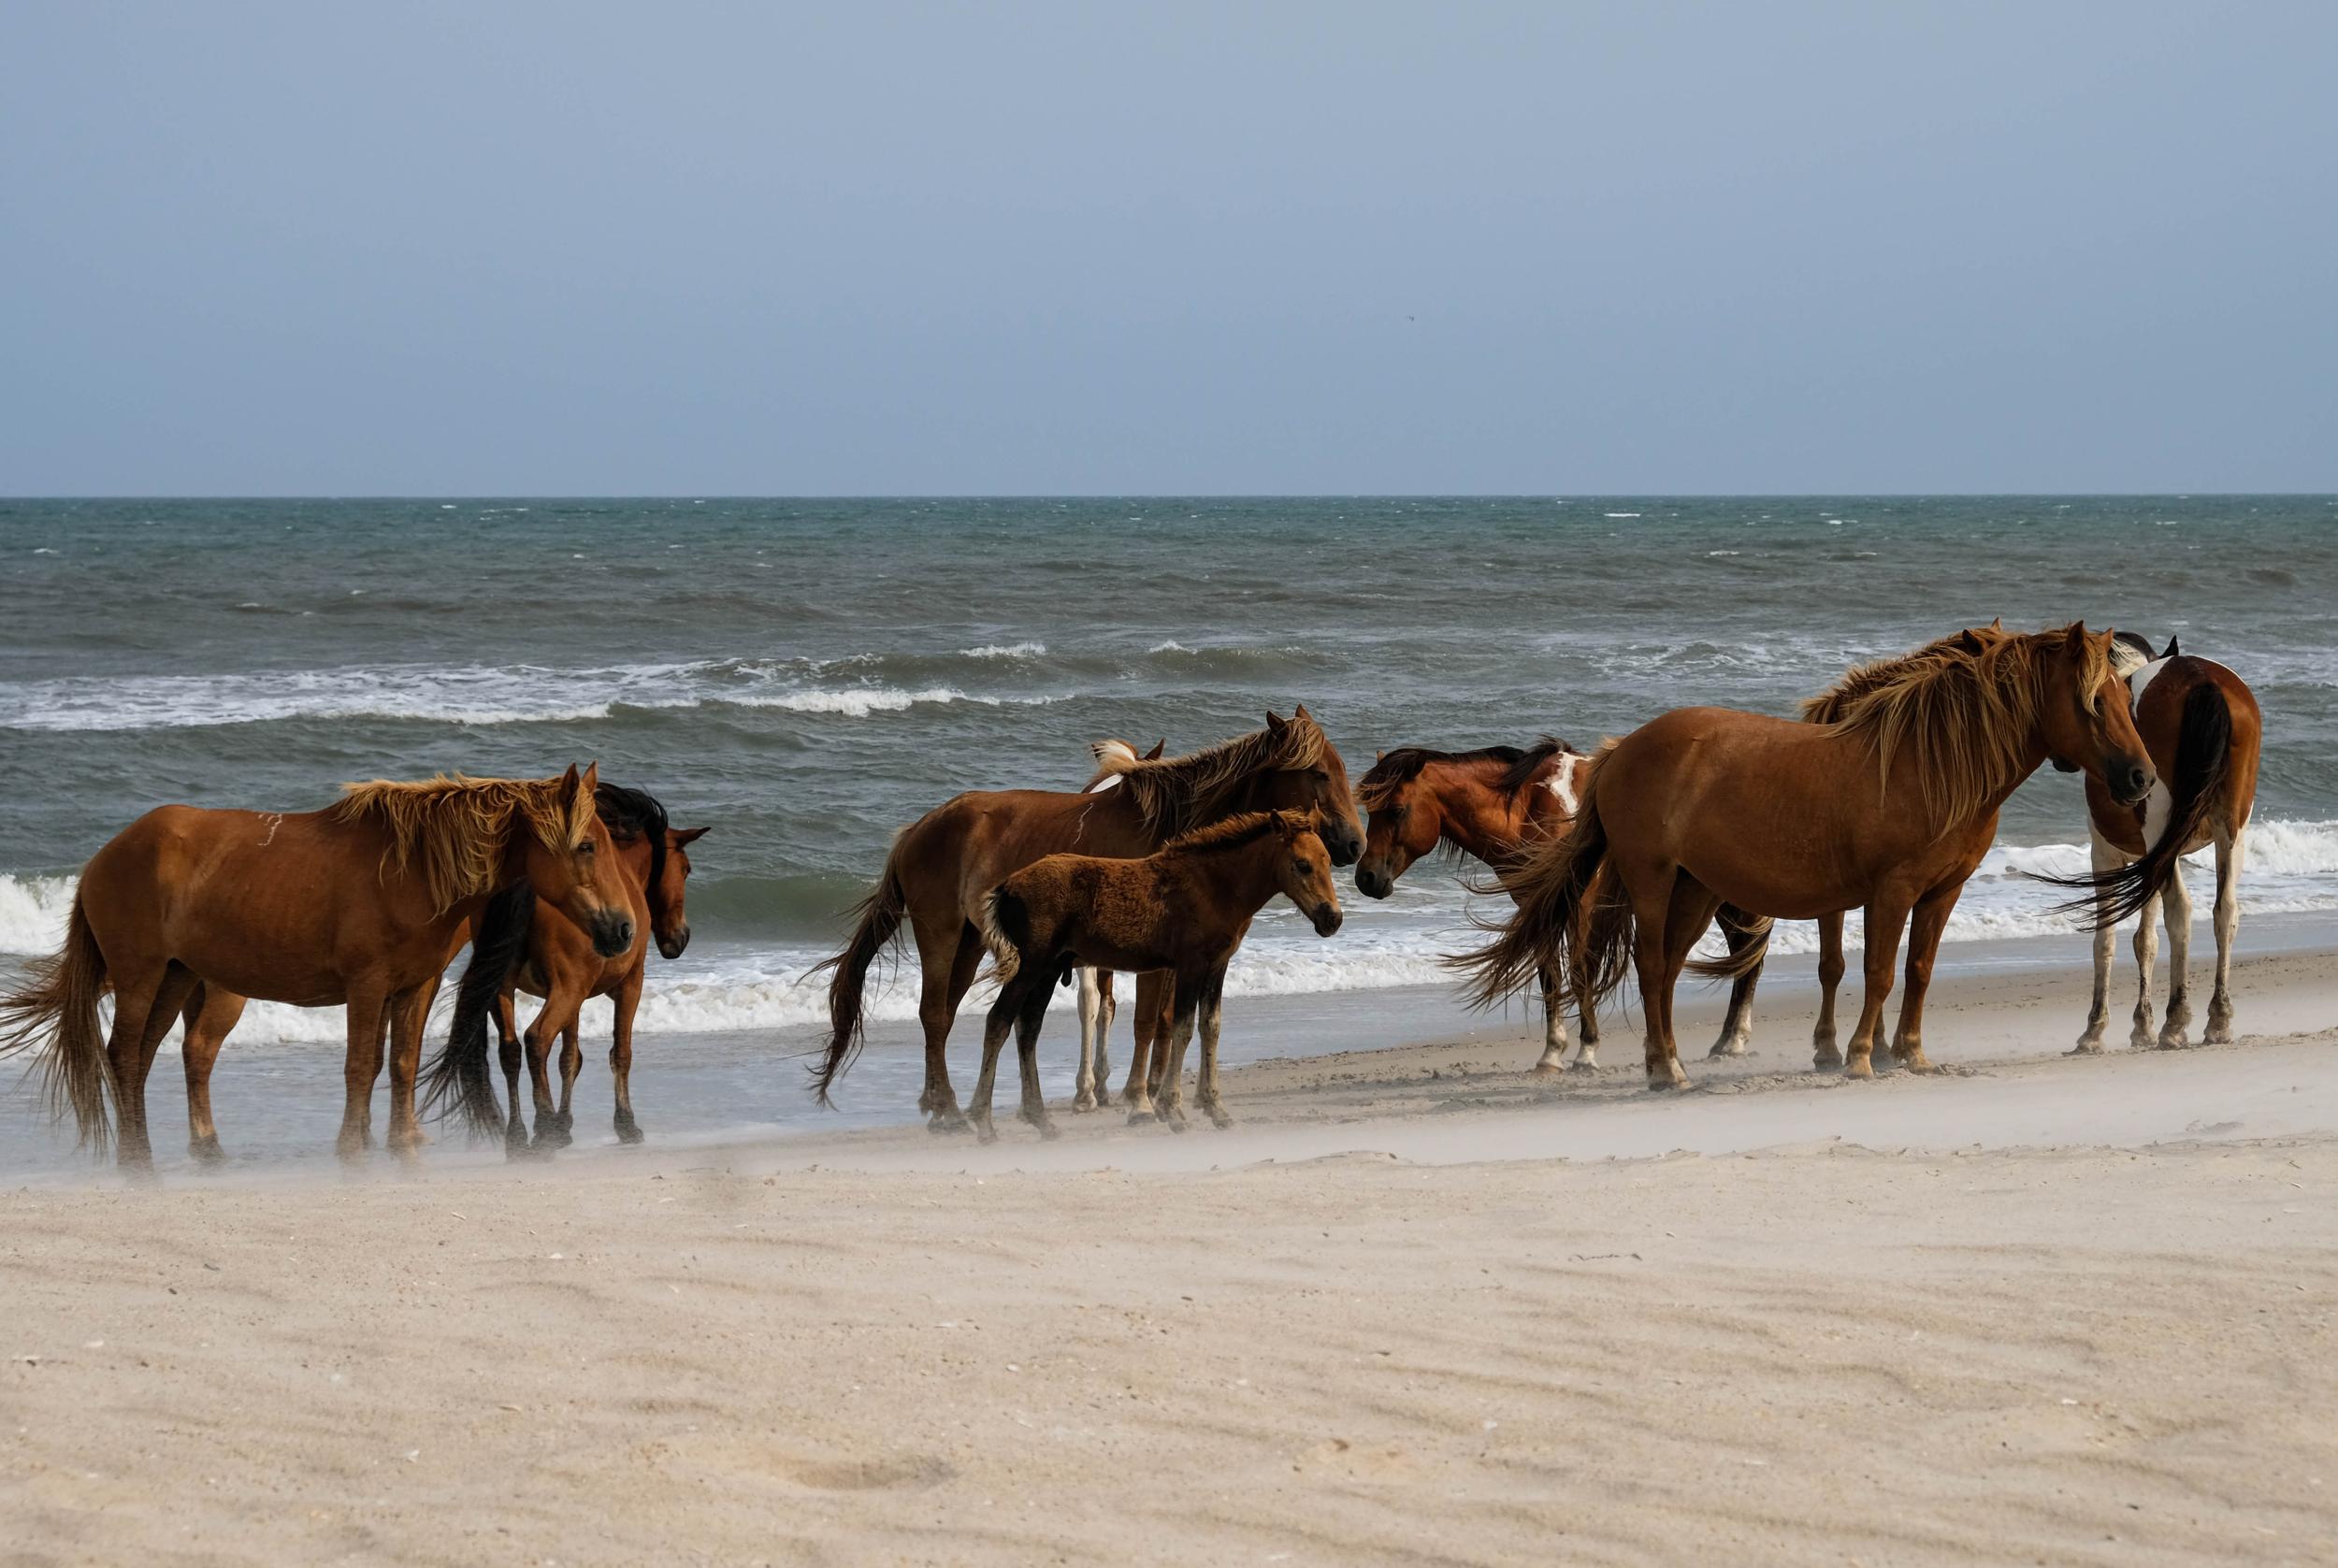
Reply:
x=1415, y=1307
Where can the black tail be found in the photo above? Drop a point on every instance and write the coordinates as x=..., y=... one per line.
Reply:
x=459, y=1076
x=1749, y=945
x=2204, y=751
x=876, y=922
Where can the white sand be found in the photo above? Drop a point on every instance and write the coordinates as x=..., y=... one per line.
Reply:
x=2085, y=1316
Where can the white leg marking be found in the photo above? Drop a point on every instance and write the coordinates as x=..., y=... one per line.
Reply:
x=2173, y=1030
x=1091, y=1005
x=2230, y=857
x=2100, y=856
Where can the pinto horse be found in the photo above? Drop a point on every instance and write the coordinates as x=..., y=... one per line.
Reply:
x=1703, y=806
x=357, y=906
x=946, y=862
x=2201, y=724
x=1493, y=804
x=1182, y=910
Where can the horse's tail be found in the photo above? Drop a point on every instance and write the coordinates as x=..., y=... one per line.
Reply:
x=1005, y=923
x=459, y=1076
x=1741, y=960
x=2203, y=756
x=59, y=998
x=876, y=922
x=1558, y=923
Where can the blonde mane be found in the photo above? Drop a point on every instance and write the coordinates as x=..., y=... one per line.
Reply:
x=1963, y=708
x=453, y=828
x=1175, y=793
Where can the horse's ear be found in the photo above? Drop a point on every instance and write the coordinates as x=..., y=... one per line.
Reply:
x=1154, y=755
x=567, y=783
x=1379, y=757
x=1300, y=712
x=690, y=835
x=1997, y=623
x=1274, y=723
x=2074, y=639
x=589, y=783
x=1968, y=640
x=2171, y=653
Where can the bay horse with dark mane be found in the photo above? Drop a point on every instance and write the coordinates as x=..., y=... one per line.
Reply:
x=946, y=862
x=556, y=961
x=1182, y=910
x=1494, y=804
x=354, y=906
x=1703, y=806
x=2201, y=724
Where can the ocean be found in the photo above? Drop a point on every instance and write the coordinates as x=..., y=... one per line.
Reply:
x=806, y=676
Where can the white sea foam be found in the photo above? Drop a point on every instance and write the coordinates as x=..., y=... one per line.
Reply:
x=1005, y=651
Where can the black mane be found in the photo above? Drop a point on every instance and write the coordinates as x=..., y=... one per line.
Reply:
x=1403, y=765
x=638, y=813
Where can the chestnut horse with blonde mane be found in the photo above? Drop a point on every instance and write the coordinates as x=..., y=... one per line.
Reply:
x=1181, y=911
x=946, y=863
x=1494, y=804
x=353, y=906
x=1703, y=806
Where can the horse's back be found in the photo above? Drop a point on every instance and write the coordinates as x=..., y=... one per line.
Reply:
x=972, y=843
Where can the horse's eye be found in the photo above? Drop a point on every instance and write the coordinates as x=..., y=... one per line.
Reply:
x=585, y=848
x=1306, y=868
x=1321, y=776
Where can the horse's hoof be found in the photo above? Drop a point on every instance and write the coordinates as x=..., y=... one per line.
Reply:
x=2218, y=1034
x=628, y=1131
x=1586, y=1064
x=1859, y=1067
x=2172, y=1039
x=1827, y=1061
x=1547, y=1068
x=2087, y=1047
x=1085, y=1101
x=1918, y=1063
x=1661, y=1085
x=1218, y=1118
x=948, y=1121
x=1049, y=1131
x=206, y=1151
x=985, y=1132
x=1142, y=1118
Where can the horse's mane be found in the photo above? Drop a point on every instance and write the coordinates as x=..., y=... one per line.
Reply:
x=452, y=827
x=1963, y=708
x=636, y=812
x=1400, y=766
x=1174, y=794
x=1237, y=830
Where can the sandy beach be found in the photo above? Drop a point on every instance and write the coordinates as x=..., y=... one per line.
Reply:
x=1416, y=1307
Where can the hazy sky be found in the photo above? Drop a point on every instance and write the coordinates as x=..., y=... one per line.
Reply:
x=1258, y=247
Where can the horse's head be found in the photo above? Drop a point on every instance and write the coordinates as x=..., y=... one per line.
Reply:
x=1320, y=786
x=2084, y=718
x=578, y=874
x=1406, y=820
x=1303, y=867
x=670, y=922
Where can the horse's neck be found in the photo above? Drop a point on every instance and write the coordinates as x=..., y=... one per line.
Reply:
x=1479, y=820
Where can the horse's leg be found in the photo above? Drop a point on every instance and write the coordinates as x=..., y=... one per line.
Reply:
x=1648, y=911
x=1924, y=942
x=1587, y=1028
x=1092, y=1001
x=2101, y=856
x=1027, y=1024
x=508, y=1048
x=1737, y=1028
x=1552, y=1059
x=1151, y=1044
x=1160, y=1068
x=2139, y=1033
x=1886, y=918
x=368, y=1016
x=134, y=1056
x=628, y=1001
x=995, y=1027
x=949, y=964
x=1825, y=1055
x=210, y=1014
x=571, y=1063
x=409, y=1011
x=1687, y=912
x=563, y=1001
x=1104, y=1037
x=1213, y=1007
x=2178, y=901
x=2228, y=913
x=1169, y=1099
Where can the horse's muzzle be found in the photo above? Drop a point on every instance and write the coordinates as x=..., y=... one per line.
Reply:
x=612, y=933
x=1326, y=919
x=1373, y=883
x=1348, y=847
x=672, y=946
x=2130, y=781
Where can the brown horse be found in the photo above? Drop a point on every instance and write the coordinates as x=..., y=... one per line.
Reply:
x=1182, y=910
x=946, y=862
x=2201, y=724
x=1703, y=806
x=1494, y=804
x=1097, y=1003
x=211, y=1012
x=356, y=906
